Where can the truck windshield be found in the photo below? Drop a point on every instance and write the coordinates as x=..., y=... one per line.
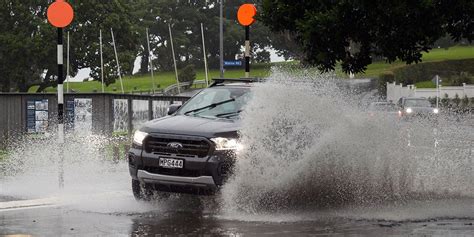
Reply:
x=223, y=102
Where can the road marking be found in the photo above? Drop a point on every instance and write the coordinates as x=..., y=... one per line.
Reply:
x=44, y=202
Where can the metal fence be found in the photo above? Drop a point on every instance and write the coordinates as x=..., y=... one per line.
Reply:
x=103, y=113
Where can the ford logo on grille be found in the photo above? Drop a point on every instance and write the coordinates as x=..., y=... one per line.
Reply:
x=175, y=145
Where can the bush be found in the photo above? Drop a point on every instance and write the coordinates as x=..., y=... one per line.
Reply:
x=427, y=71
x=456, y=101
x=465, y=101
x=187, y=74
x=382, y=82
x=458, y=80
x=445, y=100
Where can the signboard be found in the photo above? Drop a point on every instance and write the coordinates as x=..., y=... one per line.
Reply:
x=70, y=114
x=83, y=115
x=37, y=116
x=436, y=80
x=235, y=63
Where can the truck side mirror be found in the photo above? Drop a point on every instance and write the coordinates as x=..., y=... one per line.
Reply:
x=173, y=108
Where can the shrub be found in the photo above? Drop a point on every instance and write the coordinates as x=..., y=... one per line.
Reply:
x=458, y=80
x=426, y=71
x=456, y=100
x=187, y=74
x=465, y=101
x=445, y=100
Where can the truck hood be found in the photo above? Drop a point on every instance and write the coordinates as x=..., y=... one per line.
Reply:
x=193, y=126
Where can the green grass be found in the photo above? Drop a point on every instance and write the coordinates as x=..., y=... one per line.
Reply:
x=144, y=83
x=454, y=53
x=165, y=79
x=425, y=84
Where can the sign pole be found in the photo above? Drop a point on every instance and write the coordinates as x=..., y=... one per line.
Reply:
x=60, y=14
x=247, y=51
x=221, y=38
x=60, y=107
x=437, y=91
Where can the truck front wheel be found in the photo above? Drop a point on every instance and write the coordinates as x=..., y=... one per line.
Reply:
x=143, y=192
x=140, y=192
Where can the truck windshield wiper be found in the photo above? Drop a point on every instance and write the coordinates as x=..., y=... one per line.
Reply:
x=213, y=105
x=226, y=115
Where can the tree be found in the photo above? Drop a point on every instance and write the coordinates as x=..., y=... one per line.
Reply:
x=188, y=74
x=92, y=16
x=396, y=30
x=27, y=45
x=28, y=51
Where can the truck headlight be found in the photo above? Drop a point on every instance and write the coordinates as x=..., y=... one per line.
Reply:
x=436, y=110
x=223, y=143
x=139, y=136
x=409, y=110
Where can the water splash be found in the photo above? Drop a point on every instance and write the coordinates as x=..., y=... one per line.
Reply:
x=308, y=144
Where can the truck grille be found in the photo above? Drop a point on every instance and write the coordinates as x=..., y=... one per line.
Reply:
x=191, y=147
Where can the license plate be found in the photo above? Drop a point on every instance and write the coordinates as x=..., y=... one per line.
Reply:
x=171, y=163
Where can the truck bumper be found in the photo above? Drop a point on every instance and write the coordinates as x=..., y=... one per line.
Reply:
x=199, y=176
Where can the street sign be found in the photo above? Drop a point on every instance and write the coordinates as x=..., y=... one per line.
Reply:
x=60, y=14
x=235, y=63
x=436, y=78
x=246, y=14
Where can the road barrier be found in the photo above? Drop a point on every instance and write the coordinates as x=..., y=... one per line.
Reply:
x=101, y=113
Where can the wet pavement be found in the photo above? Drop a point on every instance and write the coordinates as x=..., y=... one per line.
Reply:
x=192, y=217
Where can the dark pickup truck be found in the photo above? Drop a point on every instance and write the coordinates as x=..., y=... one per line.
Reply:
x=192, y=150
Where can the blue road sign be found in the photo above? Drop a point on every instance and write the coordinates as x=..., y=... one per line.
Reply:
x=235, y=63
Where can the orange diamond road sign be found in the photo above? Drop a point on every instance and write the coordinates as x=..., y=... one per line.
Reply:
x=60, y=14
x=246, y=14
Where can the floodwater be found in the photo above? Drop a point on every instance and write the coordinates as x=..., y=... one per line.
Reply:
x=314, y=163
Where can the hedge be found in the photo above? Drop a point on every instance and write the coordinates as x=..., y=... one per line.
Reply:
x=411, y=74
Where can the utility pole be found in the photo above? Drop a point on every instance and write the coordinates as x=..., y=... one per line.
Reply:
x=101, y=61
x=221, y=39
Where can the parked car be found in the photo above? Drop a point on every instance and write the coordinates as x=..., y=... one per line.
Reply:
x=416, y=107
x=193, y=149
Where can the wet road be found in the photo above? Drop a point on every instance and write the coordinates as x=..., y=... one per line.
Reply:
x=190, y=216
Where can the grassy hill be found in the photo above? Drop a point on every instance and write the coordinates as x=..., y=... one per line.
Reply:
x=144, y=82
x=164, y=79
x=454, y=53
